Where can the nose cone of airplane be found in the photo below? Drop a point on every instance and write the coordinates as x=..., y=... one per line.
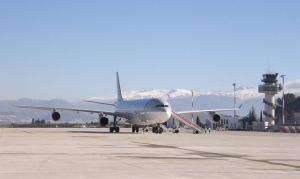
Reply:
x=169, y=113
x=166, y=109
x=158, y=109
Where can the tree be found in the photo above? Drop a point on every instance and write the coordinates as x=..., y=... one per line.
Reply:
x=249, y=119
x=261, y=116
x=291, y=105
x=251, y=115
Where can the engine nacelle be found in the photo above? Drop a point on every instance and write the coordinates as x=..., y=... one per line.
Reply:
x=55, y=116
x=104, y=121
x=216, y=118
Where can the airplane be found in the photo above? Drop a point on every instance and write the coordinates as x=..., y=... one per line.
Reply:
x=140, y=112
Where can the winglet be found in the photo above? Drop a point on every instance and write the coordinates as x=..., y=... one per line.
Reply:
x=119, y=92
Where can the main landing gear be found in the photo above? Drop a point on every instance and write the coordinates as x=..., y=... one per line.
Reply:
x=157, y=130
x=114, y=128
x=135, y=129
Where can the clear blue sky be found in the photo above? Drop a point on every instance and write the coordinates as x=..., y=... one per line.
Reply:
x=71, y=49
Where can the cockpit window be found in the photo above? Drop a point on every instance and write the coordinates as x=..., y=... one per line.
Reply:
x=157, y=105
x=162, y=106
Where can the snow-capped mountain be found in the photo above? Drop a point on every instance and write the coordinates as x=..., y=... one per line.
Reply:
x=242, y=93
x=142, y=94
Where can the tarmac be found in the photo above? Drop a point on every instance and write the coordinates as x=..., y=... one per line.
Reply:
x=95, y=153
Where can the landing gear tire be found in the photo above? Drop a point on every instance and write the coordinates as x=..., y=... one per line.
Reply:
x=114, y=129
x=196, y=132
x=111, y=129
x=154, y=129
x=160, y=130
x=135, y=129
x=176, y=131
x=157, y=130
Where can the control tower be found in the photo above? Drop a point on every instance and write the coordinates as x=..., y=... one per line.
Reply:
x=270, y=87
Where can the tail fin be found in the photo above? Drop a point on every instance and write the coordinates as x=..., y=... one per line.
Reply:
x=120, y=98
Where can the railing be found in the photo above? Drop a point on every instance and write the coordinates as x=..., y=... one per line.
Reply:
x=268, y=88
x=187, y=122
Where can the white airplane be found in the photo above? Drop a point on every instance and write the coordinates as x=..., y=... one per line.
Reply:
x=141, y=112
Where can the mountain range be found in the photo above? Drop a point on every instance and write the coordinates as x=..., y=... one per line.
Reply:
x=180, y=99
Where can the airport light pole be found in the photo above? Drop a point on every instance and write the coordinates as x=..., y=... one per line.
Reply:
x=192, y=105
x=234, y=103
x=283, y=116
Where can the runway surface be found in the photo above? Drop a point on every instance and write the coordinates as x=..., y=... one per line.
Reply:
x=94, y=153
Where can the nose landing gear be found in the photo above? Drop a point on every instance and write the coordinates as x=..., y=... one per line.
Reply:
x=195, y=132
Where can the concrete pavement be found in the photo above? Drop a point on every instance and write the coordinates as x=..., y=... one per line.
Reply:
x=94, y=153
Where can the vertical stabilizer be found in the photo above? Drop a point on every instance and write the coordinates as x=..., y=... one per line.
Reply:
x=120, y=98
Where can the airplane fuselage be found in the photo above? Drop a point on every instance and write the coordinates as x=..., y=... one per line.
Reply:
x=144, y=111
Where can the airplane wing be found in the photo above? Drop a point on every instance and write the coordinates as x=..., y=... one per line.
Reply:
x=68, y=109
x=96, y=102
x=209, y=110
x=186, y=122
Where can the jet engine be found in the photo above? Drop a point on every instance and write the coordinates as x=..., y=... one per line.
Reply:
x=216, y=118
x=104, y=121
x=55, y=116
